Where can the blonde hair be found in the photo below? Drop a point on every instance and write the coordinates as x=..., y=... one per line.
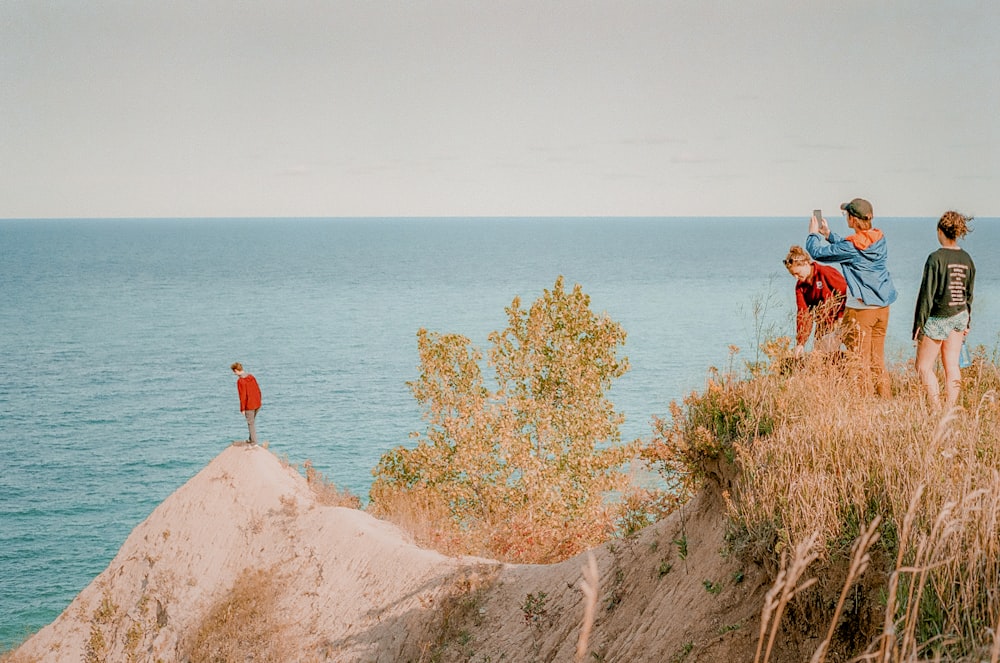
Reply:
x=954, y=225
x=797, y=254
x=237, y=366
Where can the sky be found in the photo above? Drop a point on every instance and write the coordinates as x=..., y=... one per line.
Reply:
x=212, y=108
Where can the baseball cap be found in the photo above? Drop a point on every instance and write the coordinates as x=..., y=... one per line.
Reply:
x=860, y=208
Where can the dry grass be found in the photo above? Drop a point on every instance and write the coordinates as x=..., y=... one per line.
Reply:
x=518, y=539
x=456, y=615
x=243, y=625
x=327, y=492
x=425, y=520
x=818, y=461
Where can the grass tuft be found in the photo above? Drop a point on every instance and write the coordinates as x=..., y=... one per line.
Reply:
x=242, y=625
x=327, y=492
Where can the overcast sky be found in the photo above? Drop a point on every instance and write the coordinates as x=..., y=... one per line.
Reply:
x=368, y=108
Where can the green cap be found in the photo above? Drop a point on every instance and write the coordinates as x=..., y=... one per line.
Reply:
x=859, y=208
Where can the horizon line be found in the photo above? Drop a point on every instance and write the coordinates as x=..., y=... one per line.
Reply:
x=776, y=217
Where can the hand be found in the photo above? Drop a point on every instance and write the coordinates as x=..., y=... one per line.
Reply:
x=813, y=225
x=824, y=229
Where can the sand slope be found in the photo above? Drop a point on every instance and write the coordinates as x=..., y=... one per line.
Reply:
x=347, y=587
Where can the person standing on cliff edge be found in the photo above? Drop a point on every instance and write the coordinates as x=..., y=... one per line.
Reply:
x=249, y=391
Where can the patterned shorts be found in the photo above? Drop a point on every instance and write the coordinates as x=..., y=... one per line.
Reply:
x=940, y=328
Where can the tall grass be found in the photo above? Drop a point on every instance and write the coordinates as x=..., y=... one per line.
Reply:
x=817, y=458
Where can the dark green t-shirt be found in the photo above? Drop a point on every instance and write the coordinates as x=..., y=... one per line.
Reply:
x=946, y=288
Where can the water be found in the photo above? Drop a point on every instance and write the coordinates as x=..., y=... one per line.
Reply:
x=116, y=338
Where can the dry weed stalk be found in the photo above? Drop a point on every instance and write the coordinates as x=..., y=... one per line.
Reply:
x=929, y=555
x=995, y=650
x=860, y=559
x=783, y=591
x=590, y=585
x=888, y=638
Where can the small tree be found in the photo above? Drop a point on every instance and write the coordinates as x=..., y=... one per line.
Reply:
x=523, y=472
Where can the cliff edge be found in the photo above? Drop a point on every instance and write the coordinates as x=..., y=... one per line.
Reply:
x=244, y=563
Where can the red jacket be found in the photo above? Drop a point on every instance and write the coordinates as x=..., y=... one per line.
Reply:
x=820, y=299
x=249, y=392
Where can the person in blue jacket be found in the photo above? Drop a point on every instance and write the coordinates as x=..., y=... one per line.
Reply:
x=863, y=258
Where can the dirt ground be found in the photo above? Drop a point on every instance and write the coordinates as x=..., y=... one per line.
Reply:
x=346, y=587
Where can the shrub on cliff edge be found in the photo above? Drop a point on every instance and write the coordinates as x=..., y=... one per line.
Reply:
x=522, y=472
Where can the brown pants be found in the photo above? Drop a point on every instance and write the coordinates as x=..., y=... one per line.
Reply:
x=864, y=335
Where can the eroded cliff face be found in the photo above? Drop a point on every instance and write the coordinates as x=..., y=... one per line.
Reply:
x=243, y=559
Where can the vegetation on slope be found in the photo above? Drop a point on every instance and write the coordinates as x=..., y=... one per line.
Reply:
x=820, y=466
x=521, y=472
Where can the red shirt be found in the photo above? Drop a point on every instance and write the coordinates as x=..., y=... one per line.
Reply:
x=821, y=298
x=249, y=392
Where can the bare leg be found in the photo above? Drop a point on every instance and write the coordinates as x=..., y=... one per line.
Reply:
x=927, y=353
x=950, y=349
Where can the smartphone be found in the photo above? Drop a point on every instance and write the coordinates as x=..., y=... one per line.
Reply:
x=818, y=215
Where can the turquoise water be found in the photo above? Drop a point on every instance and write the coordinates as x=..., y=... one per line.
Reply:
x=117, y=337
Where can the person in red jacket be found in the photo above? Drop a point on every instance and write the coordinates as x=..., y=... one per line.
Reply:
x=820, y=296
x=249, y=391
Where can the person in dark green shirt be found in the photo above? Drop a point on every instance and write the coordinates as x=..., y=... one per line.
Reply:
x=944, y=309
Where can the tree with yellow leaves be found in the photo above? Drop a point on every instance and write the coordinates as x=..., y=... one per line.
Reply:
x=522, y=472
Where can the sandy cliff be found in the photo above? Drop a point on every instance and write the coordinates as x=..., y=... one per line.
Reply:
x=335, y=584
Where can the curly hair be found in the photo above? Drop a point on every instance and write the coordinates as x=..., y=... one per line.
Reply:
x=797, y=254
x=954, y=225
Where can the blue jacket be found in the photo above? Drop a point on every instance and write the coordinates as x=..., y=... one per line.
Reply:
x=862, y=258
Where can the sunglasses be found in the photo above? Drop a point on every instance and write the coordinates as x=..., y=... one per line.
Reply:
x=850, y=211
